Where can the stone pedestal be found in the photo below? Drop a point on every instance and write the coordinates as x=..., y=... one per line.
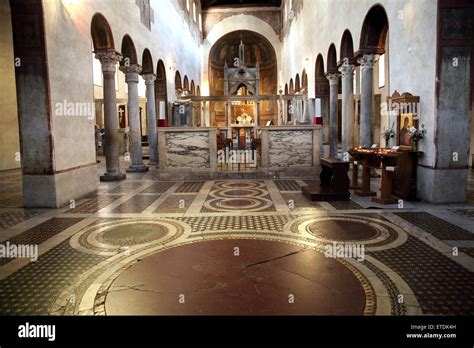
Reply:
x=347, y=136
x=151, y=113
x=366, y=96
x=131, y=78
x=333, y=81
x=109, y=60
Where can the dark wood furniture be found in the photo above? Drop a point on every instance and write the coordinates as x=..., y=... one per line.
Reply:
x=398, y=173
x=365, y=158
x=334, y=182
x=355, y=176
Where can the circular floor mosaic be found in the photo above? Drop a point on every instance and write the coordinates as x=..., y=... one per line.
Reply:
x=267, y=277
x=238, y=196
x=378, y=234
x=111, y=237
x=343, y=230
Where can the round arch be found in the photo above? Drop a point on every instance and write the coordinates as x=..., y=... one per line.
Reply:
x=374, y=31
x=332, y=59
x=186, y=83
x=238, y=23
x=347, y=46
x=177, y=80
x=147, y=62
x=304, y=81
x=101, y=33
x=128, y=50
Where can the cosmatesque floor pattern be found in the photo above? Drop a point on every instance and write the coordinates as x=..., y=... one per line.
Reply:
x=227, y=247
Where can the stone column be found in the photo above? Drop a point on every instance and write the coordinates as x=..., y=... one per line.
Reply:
x=109, y=60
x=131, y=78
x=151, y=113
x=347, y=136
x=366, y=96
x=257, y=116
x=333, y=80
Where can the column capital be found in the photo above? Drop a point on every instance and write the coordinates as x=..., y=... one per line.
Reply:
x=131, y=72
x=149, y=79
x=108, y=59
x=347, y=70
x=366, y=61
x=333, y=78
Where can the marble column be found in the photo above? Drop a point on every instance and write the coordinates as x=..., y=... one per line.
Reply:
x=131, y=78
x=257, y=116
x=108, y=60
x=366, y=96
x=333, y=81
x=151, y=116
x=347, y=136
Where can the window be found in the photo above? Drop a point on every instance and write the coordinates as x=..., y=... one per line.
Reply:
x=187, y=5
x=382, y=71
x=97, y=71
x=194, y=12
x=354, y=82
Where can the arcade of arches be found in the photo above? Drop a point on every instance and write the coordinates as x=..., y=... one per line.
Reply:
x=197, y=128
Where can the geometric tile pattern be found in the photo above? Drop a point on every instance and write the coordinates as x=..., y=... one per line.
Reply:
x=437, y=227
x=231, y=209
x=287, y=185
x=297, y=201
x=175, y=203
x=248, y=223
x=93, y=205
x=441, y=285
x=12, y=218
x=158, y=187
x=126, y=187
x=41, y=233
x=187, y=187
x=247, y=196
x=345, y=205
x=33, y=289
x=469, y=213
x=136, y=204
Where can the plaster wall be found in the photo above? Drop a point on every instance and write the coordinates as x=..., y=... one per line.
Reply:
x=412, y=47
x=9, y=139
x=69, y=21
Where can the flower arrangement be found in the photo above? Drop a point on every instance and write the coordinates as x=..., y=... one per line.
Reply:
x=417, y=134
x=388, y=134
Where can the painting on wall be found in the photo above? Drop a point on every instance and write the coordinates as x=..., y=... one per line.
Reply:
x=405, y=122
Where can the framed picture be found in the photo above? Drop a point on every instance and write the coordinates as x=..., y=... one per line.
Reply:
x=405, y=121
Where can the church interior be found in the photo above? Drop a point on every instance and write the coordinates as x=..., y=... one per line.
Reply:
x=241, y=157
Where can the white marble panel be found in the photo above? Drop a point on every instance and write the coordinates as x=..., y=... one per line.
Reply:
x=187, y=149
x=290, y=148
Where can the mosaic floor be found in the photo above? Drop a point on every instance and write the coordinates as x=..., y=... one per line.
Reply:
x=233, y=247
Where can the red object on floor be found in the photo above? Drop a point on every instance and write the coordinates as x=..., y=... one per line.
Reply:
x=162, y=123
x=318, y=120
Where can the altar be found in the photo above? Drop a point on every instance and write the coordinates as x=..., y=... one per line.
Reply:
x=244, y=133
